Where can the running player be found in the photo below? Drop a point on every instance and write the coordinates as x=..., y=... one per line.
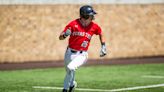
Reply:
x=80, y=32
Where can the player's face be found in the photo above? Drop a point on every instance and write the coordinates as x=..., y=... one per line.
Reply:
x=89, y=20
x=86, y=22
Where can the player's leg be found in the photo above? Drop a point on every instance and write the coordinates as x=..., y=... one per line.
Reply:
x=67, y=60
x=72, y=62
x=68, y=79
x=79, y=60
x=72, y=86
x=73, y=82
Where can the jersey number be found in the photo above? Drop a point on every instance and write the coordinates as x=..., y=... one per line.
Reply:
x=84, y=44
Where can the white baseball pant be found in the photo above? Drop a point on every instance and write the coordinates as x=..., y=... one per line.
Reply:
x=73, y=60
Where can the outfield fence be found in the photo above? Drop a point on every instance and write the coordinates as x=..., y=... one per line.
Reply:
x=30, y=32
x=80, y=1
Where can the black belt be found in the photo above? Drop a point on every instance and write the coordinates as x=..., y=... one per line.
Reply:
x=73, y=51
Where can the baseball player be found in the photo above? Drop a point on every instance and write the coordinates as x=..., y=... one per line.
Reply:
x=80, y=32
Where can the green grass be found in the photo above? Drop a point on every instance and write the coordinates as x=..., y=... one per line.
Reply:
x=99, y=77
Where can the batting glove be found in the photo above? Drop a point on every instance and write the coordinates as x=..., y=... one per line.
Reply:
x=103, y=50
x=67, y=33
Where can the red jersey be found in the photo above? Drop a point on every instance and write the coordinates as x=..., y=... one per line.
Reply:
x=80, y=36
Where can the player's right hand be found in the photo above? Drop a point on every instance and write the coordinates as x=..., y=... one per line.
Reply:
x=67, y=33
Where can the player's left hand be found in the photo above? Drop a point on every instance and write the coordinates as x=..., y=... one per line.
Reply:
x=103, y=51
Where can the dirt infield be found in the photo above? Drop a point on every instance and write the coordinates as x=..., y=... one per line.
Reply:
x=48, y=64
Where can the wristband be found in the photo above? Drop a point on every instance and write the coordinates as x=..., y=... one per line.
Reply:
x=64, y=36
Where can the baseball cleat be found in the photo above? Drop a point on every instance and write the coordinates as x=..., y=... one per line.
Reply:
x=71, y=89
x=64, y=90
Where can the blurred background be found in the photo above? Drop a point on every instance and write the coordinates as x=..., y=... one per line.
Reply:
x=29, y=29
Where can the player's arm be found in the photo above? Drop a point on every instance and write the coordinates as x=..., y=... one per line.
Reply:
x=103, y=46
x=63, y=35
x=102, y=39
